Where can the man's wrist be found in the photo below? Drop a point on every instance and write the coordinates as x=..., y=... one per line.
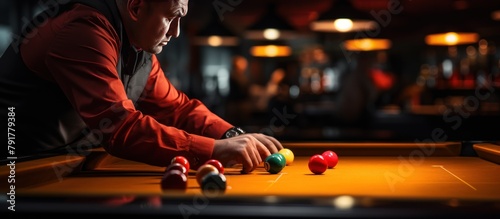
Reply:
x=232, y=132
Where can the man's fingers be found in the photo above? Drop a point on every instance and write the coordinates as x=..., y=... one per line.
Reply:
x=278, y=145
x=247, y=162
x=263, y=150
x=254, y=155
x=270, y=142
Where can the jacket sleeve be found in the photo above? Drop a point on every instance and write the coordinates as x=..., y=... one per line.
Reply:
x=172, y=107
x=82, y=61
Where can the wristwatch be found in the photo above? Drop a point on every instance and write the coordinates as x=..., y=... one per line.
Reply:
x=234, y=131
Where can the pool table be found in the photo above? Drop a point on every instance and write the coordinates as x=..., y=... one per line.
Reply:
x=370, y=180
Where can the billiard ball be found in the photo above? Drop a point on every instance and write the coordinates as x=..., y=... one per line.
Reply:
x=204, y=170
x=216, y=164
x=274, y=163
x=213, y=183
x=182, y=160
x=289, y=157
x=317, y=164
x=174, y=180
x=331, y=158
x=177, y=166
x=282, y=158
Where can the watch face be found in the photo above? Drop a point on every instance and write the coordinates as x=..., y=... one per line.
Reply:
x=235, y=131
x=231, y=133
x=239, y=130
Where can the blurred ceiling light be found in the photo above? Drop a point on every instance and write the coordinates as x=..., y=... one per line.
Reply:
x=270, y=27
x=215, y=40
x=271, y=51
x=343, y=17
x=495, y=15
x=271, y=33
x=460, y=4
x=343, y=24
x=451, y=38
x=344, y=202
x=367, y=44
x=215, y=34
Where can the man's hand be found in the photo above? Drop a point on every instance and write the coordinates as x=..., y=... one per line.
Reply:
x=248, y=149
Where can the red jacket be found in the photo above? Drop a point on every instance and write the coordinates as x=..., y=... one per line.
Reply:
x=79, y=51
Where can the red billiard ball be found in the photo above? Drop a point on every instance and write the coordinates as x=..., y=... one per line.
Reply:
x=216, y=164
x=182, y=160
x=177, y=166
x=317, y=164
x=331, y=158
x=174, y=180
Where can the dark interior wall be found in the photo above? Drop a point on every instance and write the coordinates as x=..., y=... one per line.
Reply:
x=186, y=64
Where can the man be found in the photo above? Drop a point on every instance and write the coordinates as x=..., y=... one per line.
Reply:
x=89, y=74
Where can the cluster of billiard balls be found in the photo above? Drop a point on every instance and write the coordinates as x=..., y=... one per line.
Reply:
x=318, y=163
x=275, y=162
x=210, y=176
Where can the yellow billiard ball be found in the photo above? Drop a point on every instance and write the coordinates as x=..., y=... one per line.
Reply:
x=288, y=155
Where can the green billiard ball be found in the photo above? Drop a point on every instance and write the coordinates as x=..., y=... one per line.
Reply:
x=274, y=163
x=282, y=158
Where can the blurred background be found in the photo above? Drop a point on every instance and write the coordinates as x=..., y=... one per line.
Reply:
x=387, y=70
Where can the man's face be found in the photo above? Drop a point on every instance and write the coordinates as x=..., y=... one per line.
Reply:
x=157, y=23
